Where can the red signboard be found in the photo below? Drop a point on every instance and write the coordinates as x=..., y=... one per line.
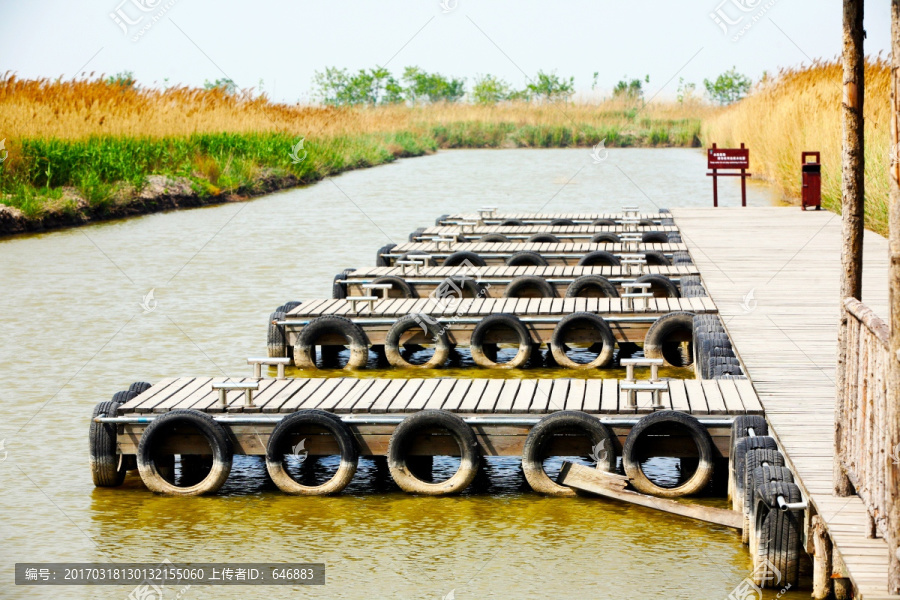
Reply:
x=728, y=158
x=737, y=159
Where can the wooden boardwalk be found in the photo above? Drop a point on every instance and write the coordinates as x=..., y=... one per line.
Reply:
x=785, y=332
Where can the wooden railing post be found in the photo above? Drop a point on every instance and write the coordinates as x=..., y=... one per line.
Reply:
x=893, y=375
x=852, y=201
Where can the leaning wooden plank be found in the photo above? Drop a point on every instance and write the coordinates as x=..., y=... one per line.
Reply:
x=588, y=479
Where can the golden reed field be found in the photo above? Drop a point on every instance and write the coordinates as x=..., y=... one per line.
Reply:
x=800, y=109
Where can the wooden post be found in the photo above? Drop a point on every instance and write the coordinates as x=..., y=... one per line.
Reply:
x=822, y=560
x=893, y=387
x=852, y=203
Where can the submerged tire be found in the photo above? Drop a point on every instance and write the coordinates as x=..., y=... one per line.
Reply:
x=543, y=238
x=381, y=261
x=654, y=237
x=599, y=258
x=701, y=438
x=280, y=444
x=496, y=238
x=529, y=286
x=438, y=334
x=604, y=337
x=139, y=387
x=534, y=450
x=276, y=338
x=664, y=339
x=656, y=259
x=400, y=288
x=561, y=222
x=398, y=458
x=462, y=257
x=106, y=467
x=215, y=435
x=592, y=286
x=660, y=286
x=606, y=237
x=526, y=258
x=341, y=326
x=778, y=535
x=338, y=289
x=500, y=320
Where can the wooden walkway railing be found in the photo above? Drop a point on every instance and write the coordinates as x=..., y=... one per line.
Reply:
x=863, y=452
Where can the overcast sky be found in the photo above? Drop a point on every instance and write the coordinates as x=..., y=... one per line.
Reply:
x=283, y=43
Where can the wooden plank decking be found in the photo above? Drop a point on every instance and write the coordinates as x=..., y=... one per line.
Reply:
x=786, y=336
x=469, y=396
x=545, y=248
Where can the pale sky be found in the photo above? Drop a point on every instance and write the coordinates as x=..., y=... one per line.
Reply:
x=283, y=43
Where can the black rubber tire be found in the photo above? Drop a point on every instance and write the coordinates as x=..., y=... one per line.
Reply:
x=106, y=466
x=664, y=210
x=458, y=258
x=380, y=261
x=778, y=535
x=276, y=344
x=458, y=287
x=646, y=223
x=399, y=284
x=217, y=438
x=512, y=223
x=705, y=458
x=606, y=237
x=661, y=339
x=439, y=221
x=476, y=345
x=599, y=258
x=604, y=223
x=681, y=258
x=139, y=387
x=726, y=371
x=562, y=223
x=415, y=235
x=339, y=291
x=438, y=333
x=537, y=286
x=605, y=338
x=654, y=237
x=602, y=287
x=673, y=237
x=657, y=259
x=543, y=238
x=353, y=333
x=752, y=459
x=290, y=305
x=429, y=260
x=280, y=439
x=496, y=238
x=754, y=478
x=738, y=462
x=691, y=287
x=740, y=427
x=469, y=460
x=533, y=452
x=124, y=396
x=660, y=286
x=525, y=258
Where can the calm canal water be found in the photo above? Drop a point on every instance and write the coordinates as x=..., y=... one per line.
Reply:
x=73, y=332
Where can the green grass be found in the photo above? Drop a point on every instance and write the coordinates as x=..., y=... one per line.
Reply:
x=108, y=171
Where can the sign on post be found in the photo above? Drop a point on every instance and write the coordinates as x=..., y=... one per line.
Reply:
x=728, y=158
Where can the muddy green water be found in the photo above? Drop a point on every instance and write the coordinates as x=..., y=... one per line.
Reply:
x=73, y=332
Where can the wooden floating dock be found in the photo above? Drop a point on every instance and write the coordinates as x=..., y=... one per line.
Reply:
x=571, y=233
x=786, y=337
x=354, y=399
x=495, y=218
x=499, y=253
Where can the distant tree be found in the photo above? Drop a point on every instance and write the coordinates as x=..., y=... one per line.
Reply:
x=122, y=79
x=630, y=90
x=226, y=85
x=549, y=86
x=685, y=91
x=422, y=86
x=337, y=87
x=490, y=90
x=728, y=87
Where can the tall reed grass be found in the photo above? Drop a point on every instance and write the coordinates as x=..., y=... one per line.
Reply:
x=800, y=109
x=88, y=146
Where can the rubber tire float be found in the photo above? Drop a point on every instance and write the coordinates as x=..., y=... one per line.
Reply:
x=331, y=324
x=506, y=320
x=604, y=336
x=435, y=331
